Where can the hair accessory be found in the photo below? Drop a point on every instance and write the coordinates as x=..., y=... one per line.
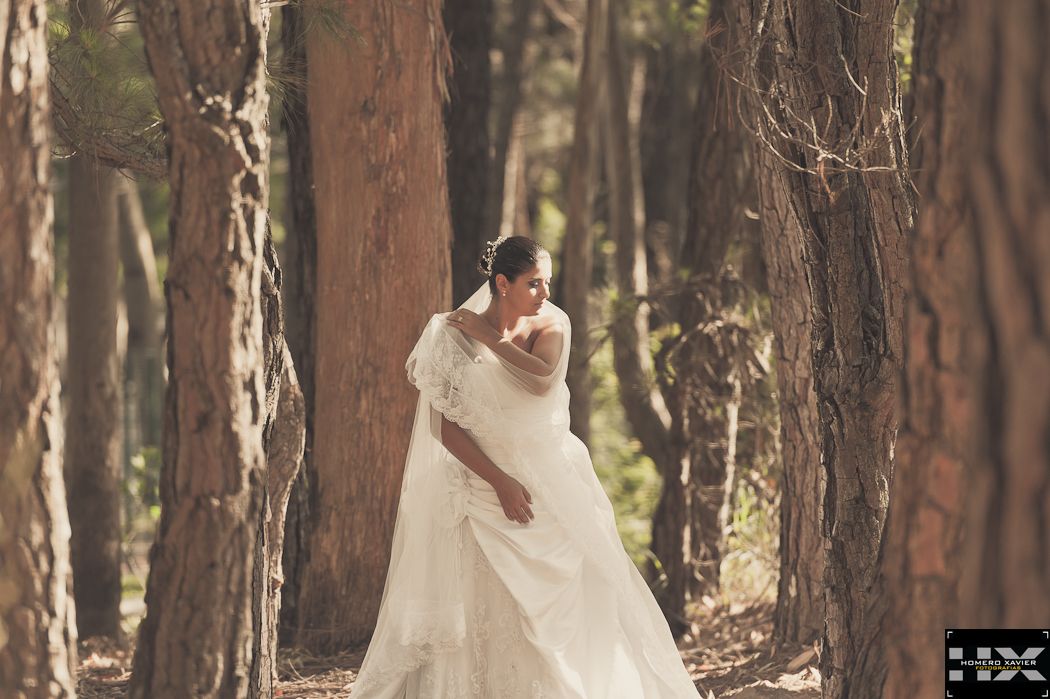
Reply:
x=490, y=253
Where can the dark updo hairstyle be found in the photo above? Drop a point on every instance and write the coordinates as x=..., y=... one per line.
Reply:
x=512, y=256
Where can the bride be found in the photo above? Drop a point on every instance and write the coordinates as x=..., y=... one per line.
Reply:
x=507, y=577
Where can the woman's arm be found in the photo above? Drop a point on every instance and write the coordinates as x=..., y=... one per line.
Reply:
x=457, y=441
x=512, y=494
x=545, y=351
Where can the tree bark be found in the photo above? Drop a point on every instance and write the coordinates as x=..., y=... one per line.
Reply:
x=577, y=254
x=284, y=456
x=799, y=613
x=300, y=294
x=93, y=455
x=208, y=61
x=374, y=293
x=849, y=188
x=37, y=618
x=284, y=436
x=941, y=409
x=1005, y=554
x=965, y=548
x=93, y=422
x=470, y=172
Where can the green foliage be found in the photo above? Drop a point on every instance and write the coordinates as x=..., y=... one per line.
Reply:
x=131, y=586
x=549, y=224
x=751, y=565
x=100, y=82
x=141, y=514
x=657, y=21
x=904, y=41
x=141, y=485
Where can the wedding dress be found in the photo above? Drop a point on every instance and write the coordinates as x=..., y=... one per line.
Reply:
x=477, y=605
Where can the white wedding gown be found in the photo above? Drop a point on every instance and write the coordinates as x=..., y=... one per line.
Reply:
x=477, y=605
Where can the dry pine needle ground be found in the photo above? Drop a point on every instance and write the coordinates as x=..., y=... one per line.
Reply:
x=731, y=657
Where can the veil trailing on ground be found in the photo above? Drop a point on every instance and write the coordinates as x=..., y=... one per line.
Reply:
x=525, y=420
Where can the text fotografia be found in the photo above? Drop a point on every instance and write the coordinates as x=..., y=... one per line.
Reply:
x=1014, y=661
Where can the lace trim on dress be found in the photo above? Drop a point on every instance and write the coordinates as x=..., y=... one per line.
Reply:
x=438, y=367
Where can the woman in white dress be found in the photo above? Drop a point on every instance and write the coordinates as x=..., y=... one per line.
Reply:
x=507, y=576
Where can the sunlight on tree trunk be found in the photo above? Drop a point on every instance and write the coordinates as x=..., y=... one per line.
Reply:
x=38, y=655
x=383, y=235
x=196, y=637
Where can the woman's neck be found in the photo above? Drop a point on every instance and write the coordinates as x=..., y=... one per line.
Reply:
x=501, y=318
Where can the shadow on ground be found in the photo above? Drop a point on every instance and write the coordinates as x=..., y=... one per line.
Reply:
x=730, y=654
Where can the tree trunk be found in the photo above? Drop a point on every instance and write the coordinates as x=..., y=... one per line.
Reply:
x=799, y=614
x=284, y=456
x=37, y=619
x=142, y=297
x=300, y=291
x=848, y=184
x=690, y=520
x=382, y=270
x=941, y=409
x=632, y=359
x=515, y=220
x=509, y=90
x=284, y=436
x=196, y=637
x=577, y=260
x=93, y=422
x=699, y=368
x=667, y=122
x=469, y=27
x=708, y=366
x=1005, y=554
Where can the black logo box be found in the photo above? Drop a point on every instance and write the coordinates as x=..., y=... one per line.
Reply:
x=1003, y=648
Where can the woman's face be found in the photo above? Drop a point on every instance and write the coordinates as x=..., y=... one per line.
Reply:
x=527, y=293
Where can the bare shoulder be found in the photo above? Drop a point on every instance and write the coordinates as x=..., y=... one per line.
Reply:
x=544, y=323
x=548, y=324
x=542, y=330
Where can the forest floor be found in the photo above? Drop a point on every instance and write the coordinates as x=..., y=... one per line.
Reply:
x=729, y=655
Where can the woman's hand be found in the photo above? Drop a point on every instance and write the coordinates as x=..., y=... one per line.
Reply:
x=515, y=499
x=473, y=325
